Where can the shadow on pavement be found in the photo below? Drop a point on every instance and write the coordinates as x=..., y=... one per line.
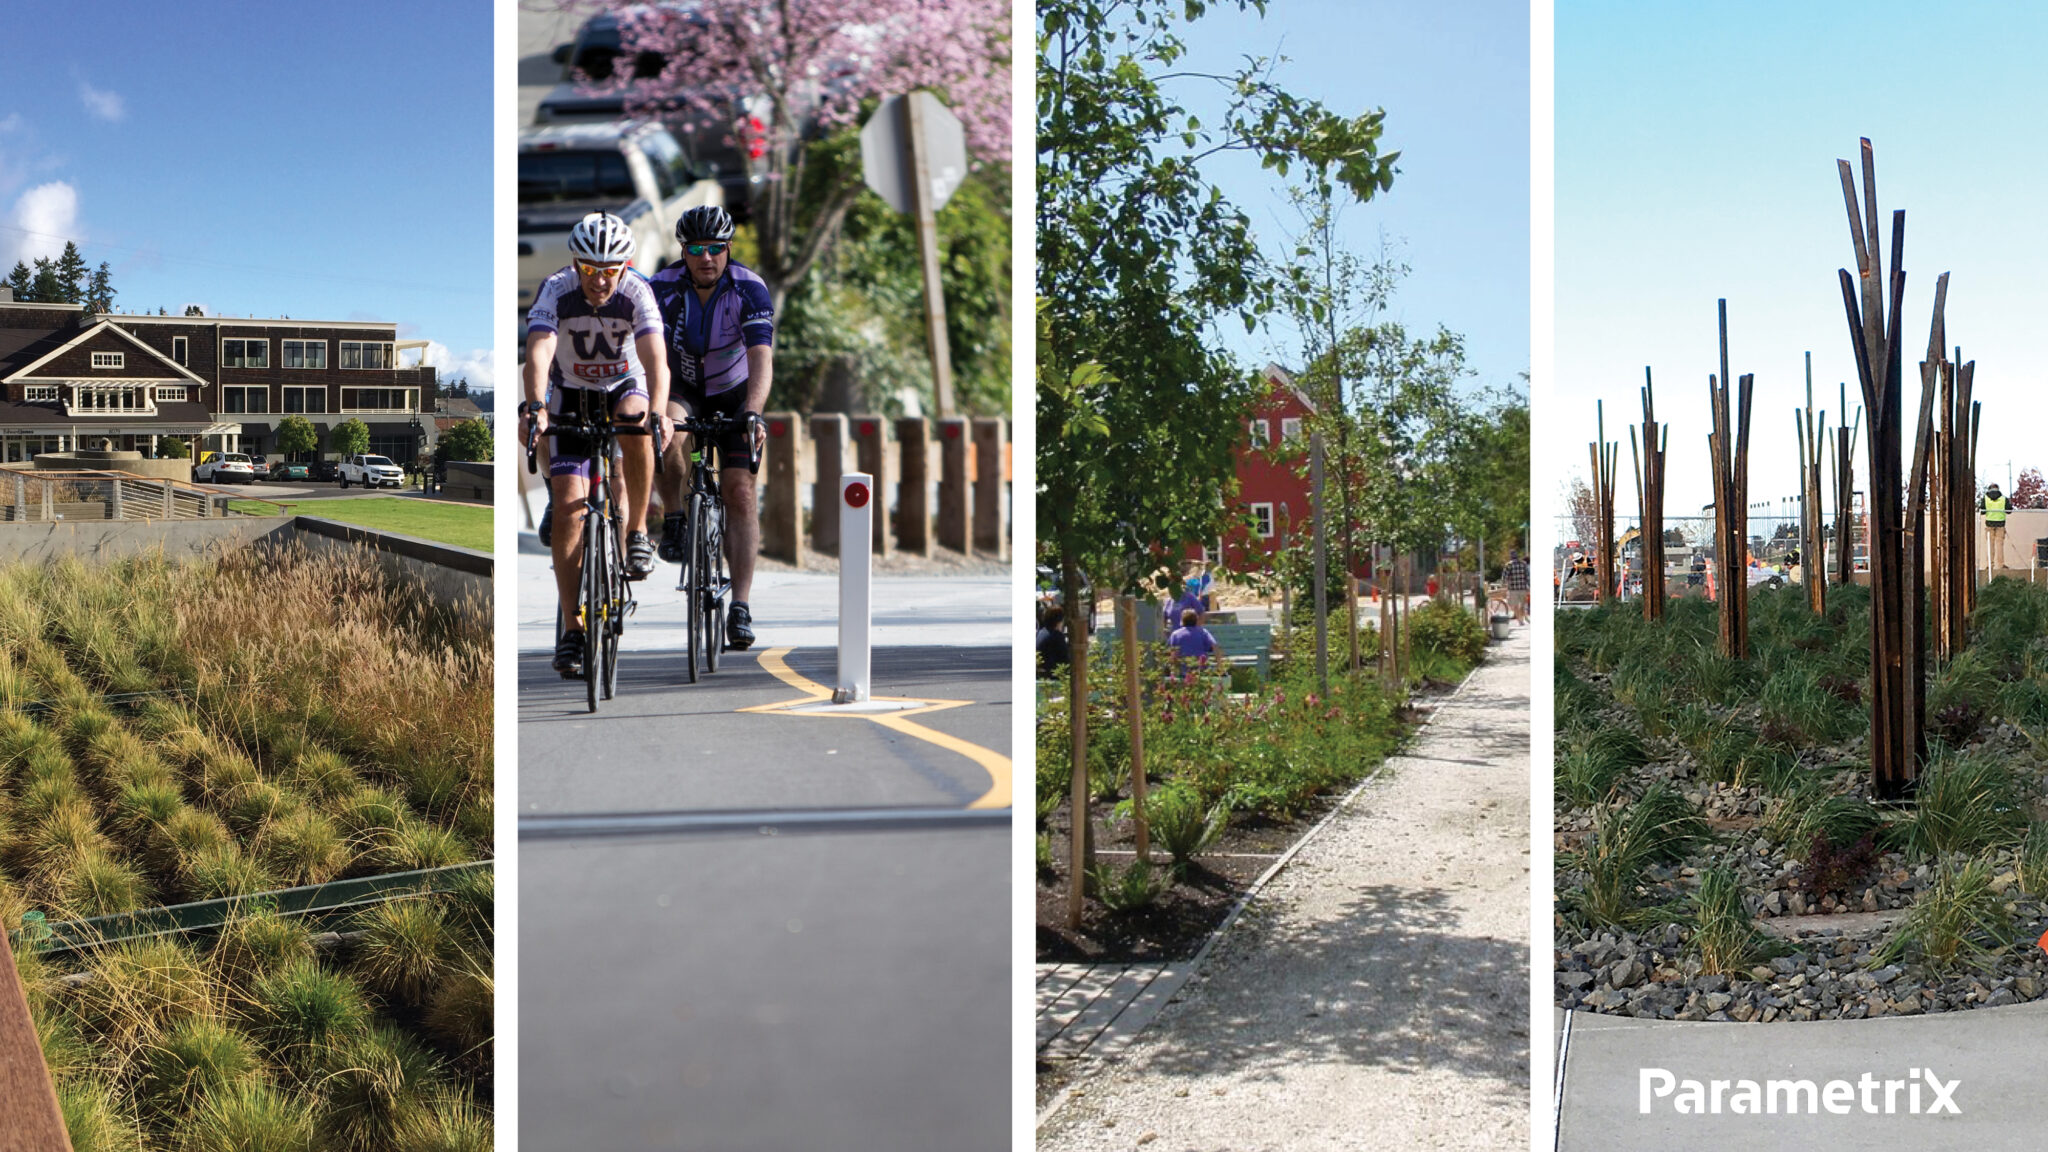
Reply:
x=1386, y=982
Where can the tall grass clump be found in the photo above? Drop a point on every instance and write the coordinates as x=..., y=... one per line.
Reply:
x=1628, y=838
x=1966, y=803
x=250, y=1116
x=1960, y=921
x=197, y=1058
x=300, y=1011
x=96, y=1119
x=376, y=1083
x=1724, y=933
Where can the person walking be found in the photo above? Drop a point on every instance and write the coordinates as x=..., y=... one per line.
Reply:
x=1515, y=573
x=1191, y=641
x=1994, y=509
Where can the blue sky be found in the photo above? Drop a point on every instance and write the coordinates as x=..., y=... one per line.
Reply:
x=1454, y=81
x=1696, y=150
x=323, y=161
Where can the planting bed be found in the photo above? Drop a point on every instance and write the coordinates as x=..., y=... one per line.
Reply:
x=1233, y=778
x=263, y=720
x=1719, y=857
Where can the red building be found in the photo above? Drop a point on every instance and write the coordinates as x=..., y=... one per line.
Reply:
x=1272, y=485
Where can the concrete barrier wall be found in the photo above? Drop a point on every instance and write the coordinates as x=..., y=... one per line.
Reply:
x=947, y=482
x=448, y=575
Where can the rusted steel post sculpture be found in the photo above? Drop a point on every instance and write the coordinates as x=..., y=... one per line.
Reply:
x=1845, y=491
x=1728, y=448
x=1604, y=456
x=1650, y=499
x=1895, y=585
x=1810, y=435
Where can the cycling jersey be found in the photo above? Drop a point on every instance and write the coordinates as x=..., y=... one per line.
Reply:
x=594, y=346
x=708, y=339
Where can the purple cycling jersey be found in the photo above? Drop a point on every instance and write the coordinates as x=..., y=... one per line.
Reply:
x=708, y=338
x=594, y=348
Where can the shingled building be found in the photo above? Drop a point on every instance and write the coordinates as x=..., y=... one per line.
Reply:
x=69, y=380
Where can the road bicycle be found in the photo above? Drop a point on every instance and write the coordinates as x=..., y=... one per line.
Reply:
x=604, y=592
x=705, y=583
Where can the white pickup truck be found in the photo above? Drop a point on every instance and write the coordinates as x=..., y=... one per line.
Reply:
x=634, y=170
x=371, y=472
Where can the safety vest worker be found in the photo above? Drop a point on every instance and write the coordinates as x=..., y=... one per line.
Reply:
x=1994, y=507
x=1994, y=529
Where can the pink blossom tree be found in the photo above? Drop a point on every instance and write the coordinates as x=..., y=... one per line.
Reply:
x=807, y=68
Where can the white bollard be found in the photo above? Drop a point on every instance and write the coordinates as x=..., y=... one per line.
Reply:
x=856, y=548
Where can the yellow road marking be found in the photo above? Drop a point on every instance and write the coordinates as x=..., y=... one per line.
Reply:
x=995, y=764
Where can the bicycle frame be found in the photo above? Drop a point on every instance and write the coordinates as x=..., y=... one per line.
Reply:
x=705, y=584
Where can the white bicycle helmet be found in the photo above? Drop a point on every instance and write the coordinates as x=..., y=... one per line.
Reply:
x=601, y=238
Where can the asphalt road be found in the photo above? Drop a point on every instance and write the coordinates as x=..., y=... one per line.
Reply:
x=745, y=927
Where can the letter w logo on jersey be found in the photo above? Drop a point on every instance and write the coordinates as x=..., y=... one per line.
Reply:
x=600, y=347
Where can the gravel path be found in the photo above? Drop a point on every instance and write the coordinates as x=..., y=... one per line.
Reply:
x=1375, y=994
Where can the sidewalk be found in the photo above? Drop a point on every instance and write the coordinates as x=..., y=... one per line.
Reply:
x=1375, y=994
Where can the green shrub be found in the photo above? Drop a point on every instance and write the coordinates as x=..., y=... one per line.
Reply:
x=1126, y=889
x=1447, y=628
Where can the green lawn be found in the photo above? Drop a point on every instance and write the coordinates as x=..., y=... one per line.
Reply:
x=463, y=525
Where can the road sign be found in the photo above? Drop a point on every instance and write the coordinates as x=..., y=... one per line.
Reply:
x=885, y=150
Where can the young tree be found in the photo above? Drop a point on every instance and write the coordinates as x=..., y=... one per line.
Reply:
x=1137, y=255
x=469, y=440
x=2029, y=491
x=297, y=435
x=798, y=69
x=23, y=282
x=351, y=437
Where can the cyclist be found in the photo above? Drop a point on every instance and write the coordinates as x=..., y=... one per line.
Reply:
x=613, y=328
x=721, y=337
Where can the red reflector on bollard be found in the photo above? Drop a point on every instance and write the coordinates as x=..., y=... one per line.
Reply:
x=867, y=427
x=857, y=495
x=778, y=428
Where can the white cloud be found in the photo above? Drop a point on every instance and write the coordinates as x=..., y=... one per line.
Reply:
x=10, y=122
x=479, y=367
x=47, y=215
x=105, y=105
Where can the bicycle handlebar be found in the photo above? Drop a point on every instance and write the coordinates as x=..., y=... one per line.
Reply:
x=718, y=426
x=566, y=423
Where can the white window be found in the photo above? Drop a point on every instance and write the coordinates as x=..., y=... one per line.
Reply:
x=1290, y=428
x=245, y=399
x=109, y=359
x=1262, y=520
x=305, y=353
x=366, y=354
x=181, y=350
x=241, y=353
x=166, y=392
x=38, y=393
x=1262, y=432
x=305, y=399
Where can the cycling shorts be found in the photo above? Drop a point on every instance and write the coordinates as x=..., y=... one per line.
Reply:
x=570, y=453
x=736, y=447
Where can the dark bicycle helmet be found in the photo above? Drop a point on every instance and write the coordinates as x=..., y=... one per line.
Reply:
x=704, y=222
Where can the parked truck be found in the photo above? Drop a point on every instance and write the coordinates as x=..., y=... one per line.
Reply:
x=632, y=169
x=372, y=472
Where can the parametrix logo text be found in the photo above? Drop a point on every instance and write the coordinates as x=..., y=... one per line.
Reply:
x=1921, y=1093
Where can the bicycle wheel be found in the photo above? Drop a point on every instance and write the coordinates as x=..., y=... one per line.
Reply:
x=616, y=595
x=594, y=621
x=715, y=586
x=692, y=581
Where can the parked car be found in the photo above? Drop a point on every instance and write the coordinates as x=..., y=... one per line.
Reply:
x=225, y=468
x=286, y=470
x=259, y=468
x=372, y=472
x=326, y=471
x=632, y=169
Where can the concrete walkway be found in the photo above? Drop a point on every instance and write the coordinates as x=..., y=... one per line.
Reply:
x=1988, y=1061
x=1375, y=992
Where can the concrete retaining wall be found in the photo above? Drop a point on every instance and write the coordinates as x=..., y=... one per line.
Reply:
x=449, y=575
x=470, y=480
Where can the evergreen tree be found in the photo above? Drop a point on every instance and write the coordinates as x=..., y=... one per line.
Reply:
x=72, y=274
x=99, y=295
x=48, y=288
x=23, y=284
x=194, y=310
